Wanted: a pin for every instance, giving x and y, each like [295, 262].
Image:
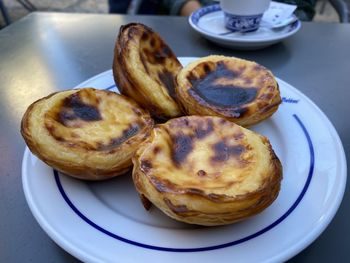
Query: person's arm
[181, 7]
[189, 7]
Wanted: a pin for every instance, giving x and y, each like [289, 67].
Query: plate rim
[43, 222]
[236, 40]
[314, 233]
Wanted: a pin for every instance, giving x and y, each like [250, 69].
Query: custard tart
[145, 68]
[239, 90]
[206, 170]
[86, 133]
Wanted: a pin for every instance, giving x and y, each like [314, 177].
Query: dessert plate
[106, 222]
[209, 22]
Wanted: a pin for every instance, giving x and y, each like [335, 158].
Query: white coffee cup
[243, 15]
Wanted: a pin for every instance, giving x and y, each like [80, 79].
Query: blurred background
[16, 9]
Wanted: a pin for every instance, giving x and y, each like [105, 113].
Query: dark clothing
[305, 8]
[118, 7]
[147, 7]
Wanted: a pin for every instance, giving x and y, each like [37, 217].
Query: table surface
[48, 51]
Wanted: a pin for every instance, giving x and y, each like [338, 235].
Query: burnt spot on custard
[73, 108]
[200, 127]
[60, 138]
[203, 129]
[258, 68]
[144, 63]
[162, 53]
[74, 135]
[137, 111]
[152, 42]
[146, 166]
[157, 150]
[222, 151]
[168, 80]
[153, 48]
[271, 94]
[182, 146]
[114, 142]
[97, 145]
[157, 53]
[53, 132]
[205, 84]
[132, 30]
[201, 173]
[248, 81]
[145, 36]
[51, 129]
[238, 136]
[223, 121]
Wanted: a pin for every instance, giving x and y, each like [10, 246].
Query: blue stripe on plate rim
[199, 249]
[196, 15]
[111, 87]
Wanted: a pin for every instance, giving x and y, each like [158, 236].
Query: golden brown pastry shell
[204, 88]
[145, 68]
[85, 133]
[207, 171]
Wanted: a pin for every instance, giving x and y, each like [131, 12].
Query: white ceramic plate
[105, 221]
[209, 22]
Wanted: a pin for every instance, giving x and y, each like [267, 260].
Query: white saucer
[209, 22]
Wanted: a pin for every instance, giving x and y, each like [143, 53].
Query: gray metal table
[45, 51]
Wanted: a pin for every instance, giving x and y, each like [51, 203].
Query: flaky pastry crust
[145, 68]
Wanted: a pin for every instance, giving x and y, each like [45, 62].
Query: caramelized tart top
[208, 156]
[89, 119]
[241, 90]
